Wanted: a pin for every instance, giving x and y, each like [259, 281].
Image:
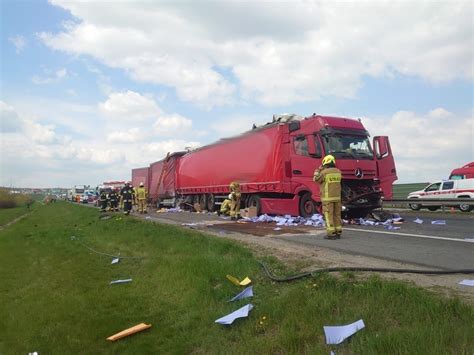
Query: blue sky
[91, 90]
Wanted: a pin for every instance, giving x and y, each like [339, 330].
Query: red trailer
[141, 175]
[274, 165]
[162, 186]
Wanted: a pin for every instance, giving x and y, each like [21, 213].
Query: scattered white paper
[337, 334]
[147, 217]
[248, 292]
[418, 221]
[390, 227]
[467, 282]
[115, 261]
[120, 281]
[440, 222]
[35, 353]
[277, 229]
[240, 313]
[332, 353]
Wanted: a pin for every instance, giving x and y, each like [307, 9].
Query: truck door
[447, 190]
[305, 155]
[386, 171]
[432, 191]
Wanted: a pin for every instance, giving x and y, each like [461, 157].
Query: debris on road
[120, 281]
[248, 292]
[418, 221]
[236, 281]
[467, 283]
[240, 313]
[337, 334]
[115, 261]
[315, 220]
[125, 333]
[170, 210]
[440, 222]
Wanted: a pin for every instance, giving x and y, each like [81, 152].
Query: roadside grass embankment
[56, 297]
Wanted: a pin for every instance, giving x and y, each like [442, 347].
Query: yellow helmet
[328, 159]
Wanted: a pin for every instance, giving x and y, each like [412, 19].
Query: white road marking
[408, 235]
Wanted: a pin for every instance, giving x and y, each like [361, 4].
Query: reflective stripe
[328, 222]
[333, 177]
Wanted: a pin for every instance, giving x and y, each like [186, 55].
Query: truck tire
[203, 202]
[254, 201]
[465, 207]
[211, 203]
[415, 206]
[307, 207]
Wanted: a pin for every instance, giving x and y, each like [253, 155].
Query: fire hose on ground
[360, 269]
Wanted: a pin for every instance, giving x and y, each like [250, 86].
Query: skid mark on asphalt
[409, 235]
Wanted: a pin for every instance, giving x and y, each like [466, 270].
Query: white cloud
[277, 52]
[50, 77]
[426, 146]
[130, 136]
[19, 42]
[171, 124]
[129, 107]
[9, 119]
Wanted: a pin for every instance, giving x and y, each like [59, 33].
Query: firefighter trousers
[332, 217]
[235, 208]
[141, 205]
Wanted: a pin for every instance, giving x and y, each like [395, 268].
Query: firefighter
[329, 179]
[141, 196]
[103, 200]
[235, 200]
[225, 206]
[113, 196]
[128, 196]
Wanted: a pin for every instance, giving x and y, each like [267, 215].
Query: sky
[91, 89]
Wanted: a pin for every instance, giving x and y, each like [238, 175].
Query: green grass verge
[55, 296]
[9, 214]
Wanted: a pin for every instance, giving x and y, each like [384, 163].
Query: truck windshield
[348, 146]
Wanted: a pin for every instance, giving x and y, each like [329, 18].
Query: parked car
[443, 190]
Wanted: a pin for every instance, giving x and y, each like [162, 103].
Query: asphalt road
[438, 246]
[448, 247]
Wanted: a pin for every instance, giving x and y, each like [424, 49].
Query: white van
[444, 189]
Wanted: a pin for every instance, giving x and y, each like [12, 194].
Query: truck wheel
[211, 203]
[415, 206]
[307, 207]
[254, 201]
[465, 208]
[203, 202]
[433, 208]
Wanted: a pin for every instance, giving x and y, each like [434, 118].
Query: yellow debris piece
[236, 281]
[125, 333]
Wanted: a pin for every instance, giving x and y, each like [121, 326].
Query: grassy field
[55, 296]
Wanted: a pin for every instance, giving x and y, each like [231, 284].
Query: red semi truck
[274, 165]
[464, 172]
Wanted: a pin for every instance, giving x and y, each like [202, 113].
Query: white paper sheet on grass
[337, 334]
[120, 281]
[467, 282]
[248, 292]
[240, 313]
[115, 261]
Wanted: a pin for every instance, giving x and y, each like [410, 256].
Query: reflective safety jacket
[330, 183]
[141, 193]
[127, 194]
[113, 196]
[103, 196]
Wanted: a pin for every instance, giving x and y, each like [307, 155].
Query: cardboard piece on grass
[125, 333]
[337, 334]
[248, 292]
[115, 261]
[236, 281]
[240, 313]
[467, 283]
[120, 281]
